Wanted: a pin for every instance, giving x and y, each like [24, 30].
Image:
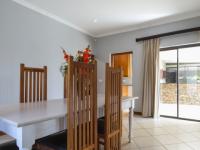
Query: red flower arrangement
[84, 56]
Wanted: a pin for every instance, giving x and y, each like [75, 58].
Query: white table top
[28, 113]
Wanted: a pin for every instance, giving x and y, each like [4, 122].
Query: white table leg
[25, 139]
[130, 122]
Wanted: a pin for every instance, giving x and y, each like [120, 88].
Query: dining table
[27, 122]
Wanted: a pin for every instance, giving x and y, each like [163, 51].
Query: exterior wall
[189, 94]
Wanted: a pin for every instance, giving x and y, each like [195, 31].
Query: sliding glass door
[189, 83]
[168, 83]
[180, 83]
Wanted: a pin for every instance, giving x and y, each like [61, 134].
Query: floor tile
[181, 146]
[146, 142]
[140, 133]
[173, 129]
[190, 128]
[136, 126]
[187, 137]
[168, 139]
[194, 145]
[196, 134]
[153, 148]
[157, 131]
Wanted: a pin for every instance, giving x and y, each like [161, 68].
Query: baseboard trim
[135, 113]
[138, 113]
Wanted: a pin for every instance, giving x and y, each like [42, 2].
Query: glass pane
[189, 83]
[168, 83]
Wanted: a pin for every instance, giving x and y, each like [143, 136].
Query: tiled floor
[158, 134]
[161, 134]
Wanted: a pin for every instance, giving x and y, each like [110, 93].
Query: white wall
[31, 38]
[126, 42]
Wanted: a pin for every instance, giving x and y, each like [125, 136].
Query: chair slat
[75, 113]
[30, 86]
[38, 85]
[21, 82]
[45, 82]
[84, 113]
[88, 106]
[70, 139]
[26, 86]
[41, 86]
[91, 106]
[77, 86]
[34, 86]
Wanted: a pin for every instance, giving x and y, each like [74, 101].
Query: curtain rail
[168, 34]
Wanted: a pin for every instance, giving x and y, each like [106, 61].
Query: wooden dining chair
[81, 106]
[33, 84]
[109, 127]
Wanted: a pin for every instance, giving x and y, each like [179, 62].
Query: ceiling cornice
[50, 15]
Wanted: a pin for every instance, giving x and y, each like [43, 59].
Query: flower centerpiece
[84, 56]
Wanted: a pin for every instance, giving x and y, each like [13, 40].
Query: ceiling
[105, 17]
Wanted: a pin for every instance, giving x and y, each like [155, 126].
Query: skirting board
[135, 113]
[138, 113]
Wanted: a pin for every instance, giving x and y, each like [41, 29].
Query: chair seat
[9, 146]
[56, 141]
[101, 129]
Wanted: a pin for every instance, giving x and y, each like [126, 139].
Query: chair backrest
[113, 108]
[82, 106]
[33, 84]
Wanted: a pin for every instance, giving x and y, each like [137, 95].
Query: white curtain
[151, 78]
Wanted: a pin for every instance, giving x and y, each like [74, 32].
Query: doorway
[124, 60]
[180, 82]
